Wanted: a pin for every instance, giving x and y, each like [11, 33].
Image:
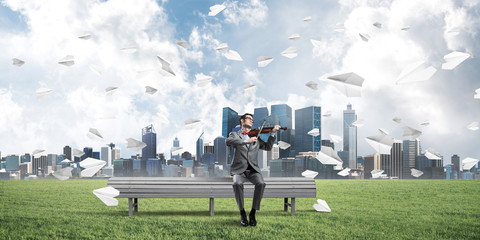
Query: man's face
[248, 121]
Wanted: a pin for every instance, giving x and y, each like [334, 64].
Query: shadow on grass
[199, 213]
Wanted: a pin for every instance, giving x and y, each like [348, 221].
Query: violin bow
[261, 128]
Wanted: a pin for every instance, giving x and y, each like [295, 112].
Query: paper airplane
[411, 133]
[382, 143]
[473, 126]
[130, 47]
[92, 166]
[314, 132]
[309, 174]
[454, 59]
[335, 138]
[328, 156]
[165, 65]
[215, 9]
[233, 55]
[416, 72]
[295, 36]
[358, 123]
[77, 153]
[17, 62]
[43, 92]
[134, 145]
[85, 36]
[377, 24]
[327, 114]
[67, 61]
[339, 27]
[316, 43]
[249, 87]
[313, 85]
[161, 118]
[290, 52]
[150, 90]
[416, 173]
[468, 163]
[397, 119]
[263, 61]
[183, 43]
[107, 195]
[376, 173]
[202, 80]
[37, 152]
[384, 131]
[66, 161]
[96, 69]
[350, 84]
[223, 47]
[365, 37]
[432, 154]
[307, 19]
[345, 172]
[425, 123]
[63, 174]
[477, 94]
[406, 28]
[176, 150]
[191, 123]
[94, 134]
[283, 145]
[110, 90]
[322, 206]
[453, 31]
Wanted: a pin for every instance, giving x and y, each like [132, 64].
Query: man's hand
[276, 128]
[251, 140]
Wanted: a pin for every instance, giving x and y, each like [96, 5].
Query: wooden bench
[177, 187]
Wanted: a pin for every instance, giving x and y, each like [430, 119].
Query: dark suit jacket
[243, 153]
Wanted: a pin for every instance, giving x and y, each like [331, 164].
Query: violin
[256, 131]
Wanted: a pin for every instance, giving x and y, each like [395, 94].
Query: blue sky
[42, 33]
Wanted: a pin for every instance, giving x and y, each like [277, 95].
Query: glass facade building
[230, 119]
[199, 148]
[411, 149]
[284, 114]
[149, 137]
[220, 151]
[350, 137]
[307, 119]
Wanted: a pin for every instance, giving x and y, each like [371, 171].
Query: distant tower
[284, 114]
[199, 147]
[350, 136]
[67, 151]
[457, 165]
[149, 137]
[176, 143]
[307, 119]
[411, 149]
[230, 119]
[220, 151]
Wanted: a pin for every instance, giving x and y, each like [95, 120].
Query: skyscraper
[199, 147]
[176, 143]
[411, 149]
[149, 137]
[67, 150]
[284, 114]
[396, 156]
[230, 119]
[88, 153]
[106, 155]
[307, 119]
[220, 151]
[456, 165]
[350, 137]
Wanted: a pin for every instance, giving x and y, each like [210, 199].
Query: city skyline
[42, 34]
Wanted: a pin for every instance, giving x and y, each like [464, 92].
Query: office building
[284, 114]
[350, 137]
[199, 147]
[307, 119]
[149, 137]
[220, 150]
[411, 149]
[12, 163]
[67, 151]
[106, 155]
[230, 119]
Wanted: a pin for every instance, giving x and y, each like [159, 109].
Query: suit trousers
[256, 179]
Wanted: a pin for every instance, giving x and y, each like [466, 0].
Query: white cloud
[254, 12]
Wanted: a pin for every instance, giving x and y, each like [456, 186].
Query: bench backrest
[177, 187]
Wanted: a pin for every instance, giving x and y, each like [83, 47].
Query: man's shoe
[243, 220]
[253, 221]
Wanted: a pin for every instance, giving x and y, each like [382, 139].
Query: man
[245, 165]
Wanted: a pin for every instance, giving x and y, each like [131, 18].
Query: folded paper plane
[67, 61]
[202, 80]
[416, 72]
[263, 61]
[377, 24]
[411, 133]
[309, 174]
[43, 92]
[295, 36]
[376, 173]
[454, 59]
[432, 154]
[160, 118]
[176, 150]
[191, 123]
[96, 69]
[327, 114]
[416, 173]
[91, 166]
[468, 163]
[322, 206]
[384, 131]
[316, 43]
[425, 123]
[233, 55]
[107, 195]
[63, 173]
[314, 132]
[37, 152]
[249, 87]
[283, 145]
[85, 36]
[477, 94]
[110, 90]
[223, 47]
[339, 27]
[165, 65]
[335, 138]
[215, 9]
[350, 84]
[365, 37]
[17, 62]
[134, 145]
[290, 52]
[183, 43]
[473, 126]
[405, 28]
[77, 153]
[328, 156]
[150, 90]
[397, 119]
[313, 85]
[345, 172]
[130, 47]
[358, 123]
[307, 19]
[382, 143]
[94, 134]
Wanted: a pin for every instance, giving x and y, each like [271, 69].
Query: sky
[41, 33]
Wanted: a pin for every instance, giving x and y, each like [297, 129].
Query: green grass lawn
[361, 209]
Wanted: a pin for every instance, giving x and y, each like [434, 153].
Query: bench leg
[285, 205]
[135, 204]
[130, 212]
[211, 207]
[293, 206]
